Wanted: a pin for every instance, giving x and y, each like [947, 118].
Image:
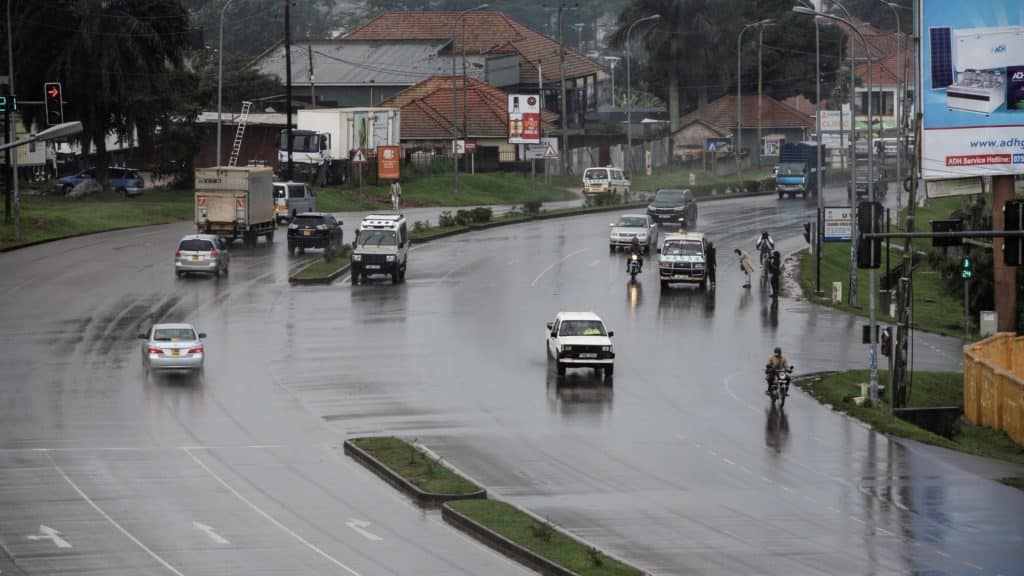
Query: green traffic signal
[965, 268]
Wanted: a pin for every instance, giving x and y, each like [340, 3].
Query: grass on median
[928, 389]
[541, 539]
[415, 466]
[679, 177]
[48, 217]
[322, 267]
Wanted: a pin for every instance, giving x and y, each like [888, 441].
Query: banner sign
[972, 97]
[838, 224]
[388, 162]
[523, 119]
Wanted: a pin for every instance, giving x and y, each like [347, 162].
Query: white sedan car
[629, 226]
[580, 340]
[173, 347]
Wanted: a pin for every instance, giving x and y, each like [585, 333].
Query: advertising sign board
[972, 62]
[838, 224]
[388, 162]
[523, 119]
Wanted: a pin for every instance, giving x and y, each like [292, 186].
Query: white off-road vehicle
[580, 340]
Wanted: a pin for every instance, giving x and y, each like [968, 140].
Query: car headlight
[357, 257]
[678, 208]
[389, 258]
[650, 208]
[642, 236]
[293, 226]
[566, 348]
[606, 348]
[321, 226]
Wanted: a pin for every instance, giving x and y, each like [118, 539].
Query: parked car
[291, 198]
[313, 230]
[173, 347]
[669, 205]
[201, 254]
[125, 181]
[580, 340]
[629, 226]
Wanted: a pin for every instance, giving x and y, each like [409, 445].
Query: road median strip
[321, 270]
[507, 529]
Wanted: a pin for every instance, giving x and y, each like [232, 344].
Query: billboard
[523, 119]
[838, 224]
[972, 74]
[389, 162]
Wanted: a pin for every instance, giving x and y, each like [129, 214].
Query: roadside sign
[550, 152]
[470, 146]
[716, 144]
[547, 149]
[359, 157]
[838, 224]
[388, 162]
[459, 147]
[523, 119]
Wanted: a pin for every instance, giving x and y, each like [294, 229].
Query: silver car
[629, 226]
[201, 254]
[173, 347]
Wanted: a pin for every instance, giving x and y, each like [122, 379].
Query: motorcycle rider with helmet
[634, 248]
[765, 245]
[775, 363]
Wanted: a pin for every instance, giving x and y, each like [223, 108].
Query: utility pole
[1004, 277]
[565, 117]
[288, 82]
[760, 43]
[312, 79]
[13, 156]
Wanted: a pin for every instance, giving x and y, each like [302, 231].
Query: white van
[605, 180]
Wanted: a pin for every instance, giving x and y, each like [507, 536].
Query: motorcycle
[634, 266]
[778, 387]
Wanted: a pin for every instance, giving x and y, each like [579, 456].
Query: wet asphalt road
[678, 465]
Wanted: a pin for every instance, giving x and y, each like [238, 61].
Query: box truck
[235, 203]
[797, 170]
[324, 139]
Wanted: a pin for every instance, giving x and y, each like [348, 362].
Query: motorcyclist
[775, 363]
[765, 245]
[634, 248]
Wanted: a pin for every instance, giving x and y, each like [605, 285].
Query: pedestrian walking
[746, 265]
[709, 253]
[396, 195]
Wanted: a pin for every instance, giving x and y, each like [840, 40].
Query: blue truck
[797, 170]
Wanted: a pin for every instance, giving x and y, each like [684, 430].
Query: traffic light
[869, 220]
[53, 96]
[1013, 219]
[807, 232]
[965, 268]
[886, 342]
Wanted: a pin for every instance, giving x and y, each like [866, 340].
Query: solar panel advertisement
[972, 97]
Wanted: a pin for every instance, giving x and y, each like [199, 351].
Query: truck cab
[381, 247]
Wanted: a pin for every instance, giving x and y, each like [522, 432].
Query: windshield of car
[173, 334]
[599, 174]
[581, 328]
[790, 168]
[195, 245]
[377, 238]
[632, 222]
[682, 249]
[669, 196]
[310, 220]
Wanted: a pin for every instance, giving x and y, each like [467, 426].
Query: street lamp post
[455, 133]
[629, 99]
[872, 292]
[896, 110]
[817, 153]
[739, 98]
[220, 74]
[612, 61]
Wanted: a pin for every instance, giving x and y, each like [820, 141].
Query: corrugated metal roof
[255, 118]
[360, 62]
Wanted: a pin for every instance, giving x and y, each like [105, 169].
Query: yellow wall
[994, 384]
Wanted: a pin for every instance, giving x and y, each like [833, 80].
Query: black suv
[669, 205]
[313, 230]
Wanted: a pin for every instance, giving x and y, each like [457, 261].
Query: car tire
[560, 368]
[394, 278]
[291, 249]
[609, 370]
[401, 274]
[611, 248]
[664, 283]
[179, 273]
[123, 193]
[270, 237]
[782, 195]
[67, 189]
[302, 250]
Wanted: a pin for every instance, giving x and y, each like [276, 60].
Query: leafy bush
[331, 253]
[446, 220]
[421, 226]
[481, 215]
[531, 208]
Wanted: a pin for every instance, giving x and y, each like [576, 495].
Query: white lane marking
[832, 509]
[884, 532]
[552, 265]
[270, 518]
[745, 469]
[361, 526]
[786, 488]
[210, 532]
[858, 520]
[973, 565]
[713, 453]
[47, 533]
[595, 263]
[809, 499]
[941, 553]
[113, 522]
[729, 462]
[766, 479]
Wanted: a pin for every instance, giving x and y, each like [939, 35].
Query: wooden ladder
[236, 147]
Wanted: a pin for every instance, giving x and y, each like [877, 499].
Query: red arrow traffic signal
[52, 92]
[54, 103]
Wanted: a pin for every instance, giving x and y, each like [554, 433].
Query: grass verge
[437, 190]
[541, 539]
[932, 301]
[412, 464]
[679, 177]
[51, 217]
[321, 268]
[928, 389]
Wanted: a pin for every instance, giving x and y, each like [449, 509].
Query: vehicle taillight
[177, 252]
[198, 350]
[213, 253]
[156, 351]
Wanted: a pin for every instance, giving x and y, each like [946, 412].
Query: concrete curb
[421, 497]
[293, 279]
[503, 545]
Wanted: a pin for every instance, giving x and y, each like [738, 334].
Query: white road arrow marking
[360, 527]
[47, 533]
[209, 532]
